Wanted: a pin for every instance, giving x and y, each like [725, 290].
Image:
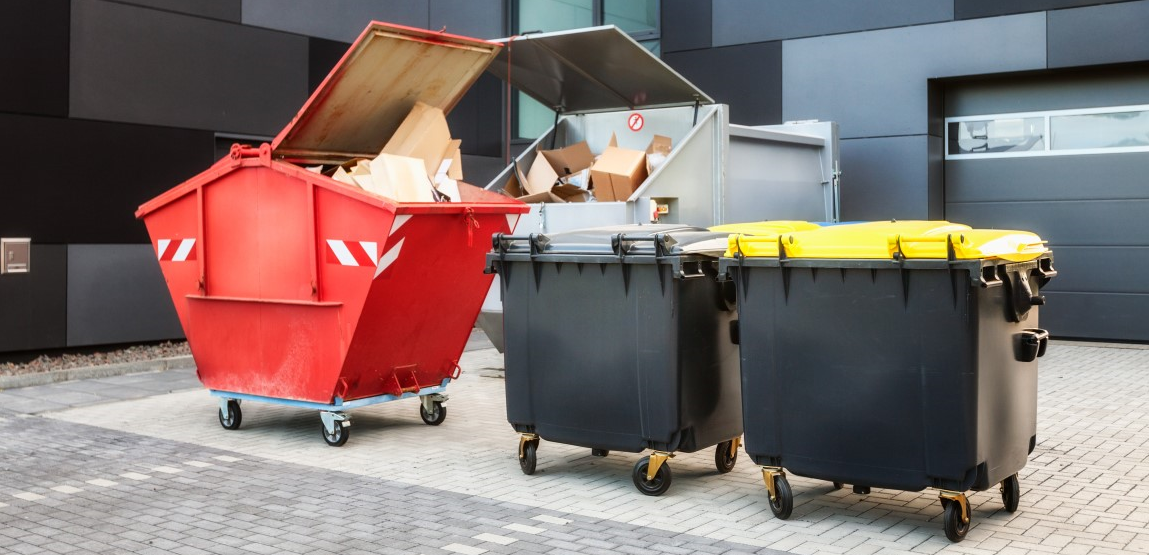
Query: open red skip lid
[370, 91]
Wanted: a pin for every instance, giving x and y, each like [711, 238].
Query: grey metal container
[595, 79]
[618, 339]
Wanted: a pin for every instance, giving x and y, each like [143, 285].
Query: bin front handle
[660, 240]
[894, 244]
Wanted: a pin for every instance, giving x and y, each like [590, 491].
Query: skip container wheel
[783, 502]
[1011, 493]
[955, 526]
[724, 460]
[655, 487]
[529, 457]
[234, 416]
[338, 436]
[435, 416]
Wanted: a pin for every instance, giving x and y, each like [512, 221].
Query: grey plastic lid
[598, 69]
[636, 240]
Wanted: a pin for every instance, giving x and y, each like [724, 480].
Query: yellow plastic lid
[911, 239]
[759, 237]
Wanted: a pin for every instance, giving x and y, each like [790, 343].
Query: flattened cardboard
[455, 155]
[617, 173]
[400, 178]
[423, 134]
[558, 193]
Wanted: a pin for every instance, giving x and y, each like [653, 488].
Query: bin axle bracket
[223, 408]
[657, 459]
[524, 439]
[734, 445]
[332, 419]
[430, 400]
[960, 498]
[768, 475]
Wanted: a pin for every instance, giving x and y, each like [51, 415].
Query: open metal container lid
[599, 69]
[361, 103]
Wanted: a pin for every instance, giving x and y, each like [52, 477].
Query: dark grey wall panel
[81, 181]
[1096, 316]
[1084, 177]
[322, 56]
[743, 21]
[884, 178]
[875, 84]
[342, 21]
[935, 178]
[116, 294]
[34, 57]
[1099, 35]
[476, 119]
[226, 10]
[686, 25]
[471, 18]
[140, 65]
[1064, 89]
[967, 9]
[1101, 269]
[1073, 223]
[34, 304]
[747, 77]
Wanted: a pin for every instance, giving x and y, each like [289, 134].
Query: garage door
[1067, 156]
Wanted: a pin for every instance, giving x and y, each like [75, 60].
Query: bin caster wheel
[529, 456]
[955, 525]
[723, 459]
[658, 485]
[437, 415]
[599, 452]
[338, 437]
[234, 416]
[838, 485]
[1011, 493]
[783, 503]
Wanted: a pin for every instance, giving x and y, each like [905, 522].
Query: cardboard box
[557, 193]
[617, 173]
[424, 135]
[657, 152]
[550, 165]
[399, 178]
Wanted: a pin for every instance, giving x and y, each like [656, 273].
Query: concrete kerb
[102, 371]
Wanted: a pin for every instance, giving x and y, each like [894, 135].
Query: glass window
[637, 17]
[554, 15]
[1112, 130]
[997, 135]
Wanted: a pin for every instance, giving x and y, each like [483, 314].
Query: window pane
[632, 16]
[534, 118]
[554, 15]
[654, 46]
[1000, 135]
[1115, 130]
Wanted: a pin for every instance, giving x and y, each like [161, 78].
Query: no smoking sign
[635, 121]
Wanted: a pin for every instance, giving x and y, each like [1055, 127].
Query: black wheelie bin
[617, 338]
[891, 354]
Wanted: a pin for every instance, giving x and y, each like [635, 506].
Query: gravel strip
[133, 353]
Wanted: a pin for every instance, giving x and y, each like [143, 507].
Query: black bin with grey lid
[618, 339]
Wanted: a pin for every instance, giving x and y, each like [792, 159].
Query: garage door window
[1060, 132]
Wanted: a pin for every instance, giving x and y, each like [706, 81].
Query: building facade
[1027, 114]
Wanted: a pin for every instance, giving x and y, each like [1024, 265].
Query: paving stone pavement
[399, 486]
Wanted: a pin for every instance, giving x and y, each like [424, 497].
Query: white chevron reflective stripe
[389, 258]
[352, 253]
[512, 221]
[399, 221]
[180, 253]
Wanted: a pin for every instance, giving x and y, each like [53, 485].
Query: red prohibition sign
[635, 121]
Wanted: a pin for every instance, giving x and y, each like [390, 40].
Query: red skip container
[296, 289]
